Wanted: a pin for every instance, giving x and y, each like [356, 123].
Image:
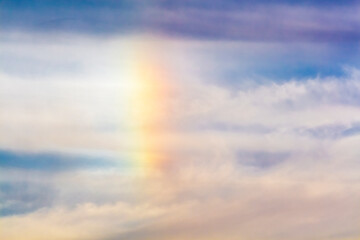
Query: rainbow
[145, 92]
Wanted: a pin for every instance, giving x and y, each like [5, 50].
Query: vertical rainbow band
[145, 93]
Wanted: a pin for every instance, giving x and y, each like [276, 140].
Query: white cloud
[205, 188]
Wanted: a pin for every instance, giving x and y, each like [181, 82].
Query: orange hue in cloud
[149, 111]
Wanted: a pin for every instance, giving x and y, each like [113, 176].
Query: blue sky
[50, 161]
[172, 120]
[233, 20]
[285, 23]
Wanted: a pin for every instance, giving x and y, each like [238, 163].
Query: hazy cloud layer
[254, 160]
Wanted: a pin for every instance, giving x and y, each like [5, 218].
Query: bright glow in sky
[173, 120]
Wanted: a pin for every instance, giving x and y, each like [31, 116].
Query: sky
[179, 120]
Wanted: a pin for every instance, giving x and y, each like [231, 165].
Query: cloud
[201, 211]
[255, 160]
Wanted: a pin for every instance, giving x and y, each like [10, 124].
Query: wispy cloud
[279, 156]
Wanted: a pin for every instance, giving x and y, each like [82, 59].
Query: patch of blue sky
[332, 131]
[46, 4]
[279, 62]
[294, 21]
[352, 131]
[211, 4]
[55, 162]
[77, 16]
[127, 3]
[261, 160]
[24, 197]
